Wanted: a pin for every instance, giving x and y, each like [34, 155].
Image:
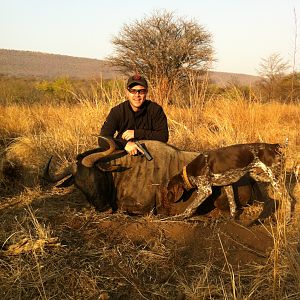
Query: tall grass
[32, 133]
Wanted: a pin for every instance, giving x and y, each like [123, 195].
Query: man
[136, 118]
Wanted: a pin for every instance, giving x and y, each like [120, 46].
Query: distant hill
[223, 78]
[43, 65]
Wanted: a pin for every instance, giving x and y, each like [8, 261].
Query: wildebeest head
[91, 174]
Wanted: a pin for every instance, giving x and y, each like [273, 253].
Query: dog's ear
[175, 189]
[177, 193]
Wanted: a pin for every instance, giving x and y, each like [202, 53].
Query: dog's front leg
[230, 196]
[204, 189]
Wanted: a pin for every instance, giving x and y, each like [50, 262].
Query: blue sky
[243, 31]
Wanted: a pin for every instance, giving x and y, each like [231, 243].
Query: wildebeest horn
[70, 170]
[89, 160]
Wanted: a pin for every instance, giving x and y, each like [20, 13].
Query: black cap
[137, 80]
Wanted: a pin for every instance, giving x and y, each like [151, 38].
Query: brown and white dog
[225, 166]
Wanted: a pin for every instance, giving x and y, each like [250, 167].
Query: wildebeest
[224, 166]
[113, 179]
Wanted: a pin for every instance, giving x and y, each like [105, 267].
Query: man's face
[136, 96]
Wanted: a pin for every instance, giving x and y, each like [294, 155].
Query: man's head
[137, 88]
[137, 80]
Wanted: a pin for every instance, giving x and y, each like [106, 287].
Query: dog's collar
[186, 179]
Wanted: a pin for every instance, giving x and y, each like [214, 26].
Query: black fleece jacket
[148, 123]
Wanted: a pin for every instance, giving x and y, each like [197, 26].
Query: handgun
[146, 152]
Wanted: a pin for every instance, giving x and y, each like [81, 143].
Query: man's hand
[128, 135]
[132, 148]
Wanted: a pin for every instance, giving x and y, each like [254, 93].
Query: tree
[272, 70]
[290, 88]
[162, 48]
[273, 67]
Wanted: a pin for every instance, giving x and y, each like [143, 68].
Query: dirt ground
[116, 256]
[199, 241]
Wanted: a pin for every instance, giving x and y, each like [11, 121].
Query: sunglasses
[134, 91]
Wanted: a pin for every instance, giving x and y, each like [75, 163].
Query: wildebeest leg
[230, 196]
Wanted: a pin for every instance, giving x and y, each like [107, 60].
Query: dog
[224, 166]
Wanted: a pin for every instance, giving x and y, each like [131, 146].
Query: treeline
[198, 91]
[61, 90]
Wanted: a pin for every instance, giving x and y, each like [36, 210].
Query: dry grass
[66, 250]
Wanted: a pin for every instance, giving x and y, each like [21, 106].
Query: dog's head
[175, 188]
